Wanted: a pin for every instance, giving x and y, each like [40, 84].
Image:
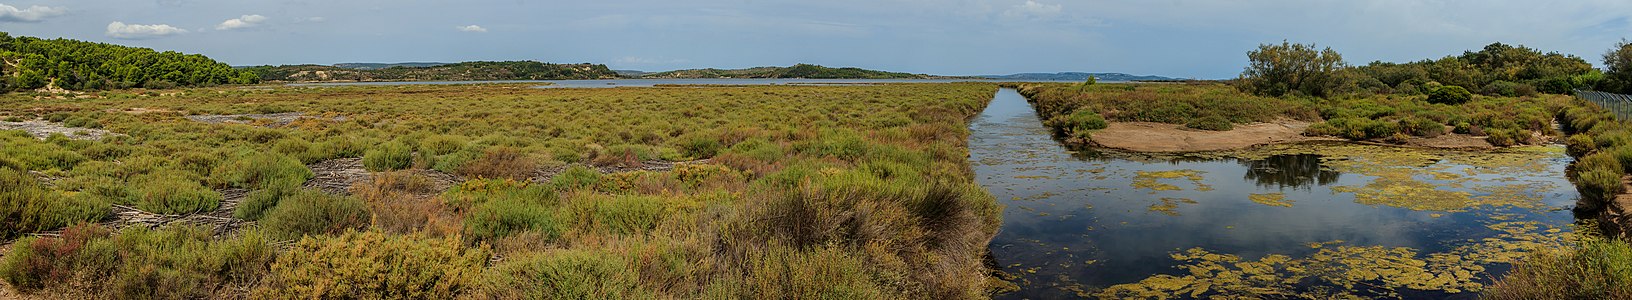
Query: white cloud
[1033, 10]
[120, 30]
[471, 28]
[245, 21]
[35, 13]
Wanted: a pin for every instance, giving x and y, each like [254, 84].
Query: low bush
[566, 274]
[1211, 122]
[388, 157]
[310, 212]
[500, 162]
[628, 214]
[373, 265]
[1450, 94]
[1084, 120]
[260, 170]
[505, 216]
[176, 262]
[172, 194]
[1595, 269]
[441, 144]
[1598, 176]
[257, 202]
[26, 206]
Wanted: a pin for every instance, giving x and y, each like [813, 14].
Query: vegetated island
[796, 71]
[464, 71]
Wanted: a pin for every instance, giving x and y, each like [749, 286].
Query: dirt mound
[270, 120]
[42, 129]
[1160, 137]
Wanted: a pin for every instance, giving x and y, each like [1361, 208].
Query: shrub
[566, 274]
[176, 262]
[26, 207]
[1579, 144]
[500, 162]
[629, 214]
[1595, 269]
[441, 144]
[1450, 94]
[373, 265]
[1085, 120]
[1210, 122]
[172, 194]
[309, 212]
[1422, 127]
[389, 157]
[1598, 176]
[260, 170]
[508, 215]
[257, 202]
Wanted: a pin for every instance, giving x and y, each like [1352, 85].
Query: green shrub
[1422, 127]
[310, 212]
[629, 214]
[700, 146]
[576, 177]
[373, 265]
[441, 144]
[566, 274]
[26, 206]
[1598, 176]
[1450, 94]
[1595, 269]
[1085, 120]
[175, 262]
[389, 157]
[502, 217]
[260, 170]
[1210, 122]
[1579, 144]
[257, 202]
[172, 194]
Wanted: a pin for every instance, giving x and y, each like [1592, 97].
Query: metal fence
[1618, 104]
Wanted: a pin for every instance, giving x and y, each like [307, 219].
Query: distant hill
[464, 71]
[29, 63]
[377, 66]
[795, 71]
[1078, 76]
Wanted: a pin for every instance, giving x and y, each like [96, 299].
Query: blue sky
[1179, 38]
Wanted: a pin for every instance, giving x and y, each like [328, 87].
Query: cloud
[120, 30]
[242, 22]
[31, 14]
[471, 28]
[1033, 10]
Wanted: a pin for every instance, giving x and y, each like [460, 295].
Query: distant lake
[610, 83]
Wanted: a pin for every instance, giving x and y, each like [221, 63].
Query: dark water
[1076, 222]
[611, 83]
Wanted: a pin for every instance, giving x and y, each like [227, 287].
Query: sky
[1204, 39]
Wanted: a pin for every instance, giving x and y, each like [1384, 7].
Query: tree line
[28, 63]
[464, 71]
[1497, 69]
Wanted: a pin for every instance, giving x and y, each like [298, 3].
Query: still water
[1326, 220]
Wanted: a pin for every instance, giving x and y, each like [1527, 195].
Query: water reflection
[1289, 171]
[1079, 221]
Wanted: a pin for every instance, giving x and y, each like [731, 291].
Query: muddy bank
[269, 120]
[1614, 217]
[42, 129]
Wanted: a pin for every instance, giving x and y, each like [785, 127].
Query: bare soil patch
[1160, 137]
[269, 120]
[42, 129]
[338, 176]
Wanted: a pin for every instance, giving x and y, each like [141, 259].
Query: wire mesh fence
[1618, 104]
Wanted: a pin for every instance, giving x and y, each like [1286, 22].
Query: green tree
[1287, 68]
[1618, 62]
